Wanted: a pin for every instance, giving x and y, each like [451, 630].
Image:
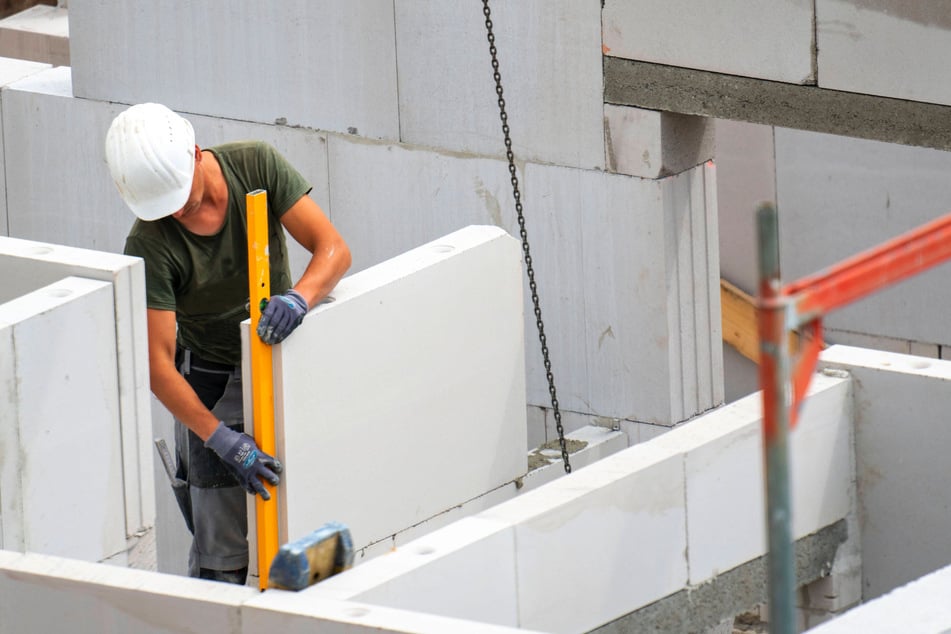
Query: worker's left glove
[248, 463]
[281, 316]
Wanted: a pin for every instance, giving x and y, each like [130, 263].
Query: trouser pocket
[219, 391]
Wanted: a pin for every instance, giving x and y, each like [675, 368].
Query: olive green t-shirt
[204, 279]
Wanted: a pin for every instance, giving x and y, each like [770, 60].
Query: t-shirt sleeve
[159, 276]
[285, 185]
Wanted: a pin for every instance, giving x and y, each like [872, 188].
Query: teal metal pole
[776, 387]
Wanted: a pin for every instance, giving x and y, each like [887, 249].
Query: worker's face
[197, 191]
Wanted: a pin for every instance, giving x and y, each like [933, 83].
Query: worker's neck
[208, 217]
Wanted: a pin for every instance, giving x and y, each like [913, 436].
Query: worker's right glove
[242, 456]
[281, 316]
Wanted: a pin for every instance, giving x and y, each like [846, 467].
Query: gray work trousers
[215, 505]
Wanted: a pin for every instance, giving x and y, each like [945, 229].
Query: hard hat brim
[160, 206]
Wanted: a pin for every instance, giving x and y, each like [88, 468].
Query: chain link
[524, 234]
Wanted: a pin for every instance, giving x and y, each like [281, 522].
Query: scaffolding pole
[785, 380]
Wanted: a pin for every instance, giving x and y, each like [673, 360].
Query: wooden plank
[738, 313]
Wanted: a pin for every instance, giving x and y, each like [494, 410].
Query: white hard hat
[151, 154]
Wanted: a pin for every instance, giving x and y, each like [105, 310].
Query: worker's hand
[248, 463]
[281, 316]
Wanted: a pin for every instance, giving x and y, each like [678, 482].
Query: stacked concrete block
[59, 139]
[754, 38]
[388, 199]
[12, 70]
[61, 471]
[626, 271]
[65, 141]
[325, 66]
[840, 196]
[27, 265]
[380, 390]
[694, 495]
[40, 34]
[549, 56]
[47, 594]
[900, 446]
[892, 49]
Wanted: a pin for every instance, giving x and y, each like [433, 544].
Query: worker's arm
[238, 451]
[330, 255]
[167, 384]
[330, 259]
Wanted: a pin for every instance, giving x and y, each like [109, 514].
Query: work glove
[281, 316]
[242, 456]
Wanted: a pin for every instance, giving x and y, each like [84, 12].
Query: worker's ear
[197, 154]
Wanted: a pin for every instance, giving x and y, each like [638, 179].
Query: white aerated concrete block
[466, 570]
[56, 136]
[719, 37]
[49, 594]
[322, 65]
[596, 525]
[61, 484]
[12, 70]
[301, 613]
[746, 176]
[921, 607]
[901, 440]
[411, 383]
[39, 33]
[652, 144]
[549, 54]
[839, 196]
[26, 266]
[629, 289]
[892, 49]
[725, 479]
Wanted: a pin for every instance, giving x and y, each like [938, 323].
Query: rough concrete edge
[698, 608]
[804, 107]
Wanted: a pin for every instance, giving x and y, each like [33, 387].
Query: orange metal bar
[804, 367]
[262, 376]
[867, 272]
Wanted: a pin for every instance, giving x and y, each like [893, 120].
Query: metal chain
[521, 226]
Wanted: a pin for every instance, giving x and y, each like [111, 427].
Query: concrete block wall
[694, 494]
[28, 265]
[754, 38]
[839, 196]
[40, 593]
[360, 429]
[403, 71]
[891, 49]
[387, 198]
[900, 440]
[40, 34]
[12, 70]
[331, 67]
[61, 481]
[836, 197]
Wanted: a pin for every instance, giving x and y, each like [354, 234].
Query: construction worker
[191, 231]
